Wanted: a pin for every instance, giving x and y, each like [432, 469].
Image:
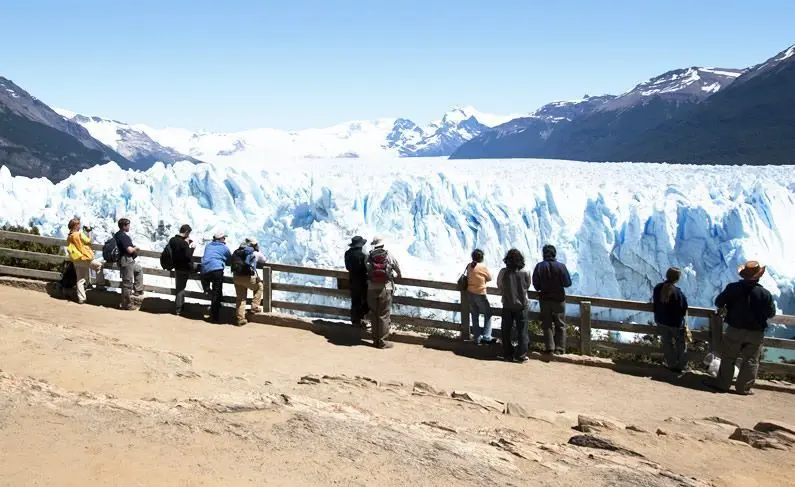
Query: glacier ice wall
[617, 226]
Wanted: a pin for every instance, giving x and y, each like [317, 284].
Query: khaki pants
[82, 271]
[242, 285]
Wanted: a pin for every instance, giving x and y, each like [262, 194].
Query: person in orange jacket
[82, 257]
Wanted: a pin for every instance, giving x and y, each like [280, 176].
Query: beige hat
[219, 235]
[377, 242]
[751, 270]
[251, 241]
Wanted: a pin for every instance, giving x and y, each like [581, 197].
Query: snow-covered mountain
[387, 136]
[617, 226]
[132, 143]
[687, 85]
[593, 128]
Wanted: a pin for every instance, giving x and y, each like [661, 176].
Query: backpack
[379, 270]
[110, 251]
[68, 275]
[167, 258]
[238, 263]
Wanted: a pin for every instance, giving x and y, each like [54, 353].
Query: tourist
[514, 283]
[182, 248]
[478, 276]
[670, 309]
[382, 269]
[216, 256]
[748, 306]
[82, 257]
[131, 271]
[244, 262]
[356, 264]
[550, 279]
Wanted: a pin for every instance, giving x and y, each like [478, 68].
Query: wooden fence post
[465, 316]
[715, 332]
[585, 328]
[267, 294]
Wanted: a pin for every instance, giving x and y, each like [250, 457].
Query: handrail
[585, 320]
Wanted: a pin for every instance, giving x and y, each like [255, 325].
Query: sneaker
[504, 358]
[83, 301]
[548, 352]
[383, 345]
[241, 323]
[559, 352]
[256, 310]
[521, 359]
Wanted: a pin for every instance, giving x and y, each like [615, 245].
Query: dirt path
[130, 398]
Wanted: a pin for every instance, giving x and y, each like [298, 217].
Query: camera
[88, 229]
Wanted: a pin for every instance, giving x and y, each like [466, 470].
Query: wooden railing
[456, 309]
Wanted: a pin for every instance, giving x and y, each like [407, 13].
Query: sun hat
[751, 270]
[357, 241]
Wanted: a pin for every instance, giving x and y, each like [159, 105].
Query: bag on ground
[68, 276]
[713, 365]
[167, 259]
[110, 251]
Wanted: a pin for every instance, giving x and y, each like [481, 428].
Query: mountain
[750, 122]
[131, 143]
[35, 141]
[593, 127]
[397, 137]
[529, 133]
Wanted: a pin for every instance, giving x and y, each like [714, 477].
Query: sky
[230, 66]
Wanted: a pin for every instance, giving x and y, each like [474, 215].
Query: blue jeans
[674, 346]
[479, 305]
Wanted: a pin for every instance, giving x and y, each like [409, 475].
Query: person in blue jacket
[216, 255]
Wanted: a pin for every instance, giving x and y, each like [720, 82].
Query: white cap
[377, 242]
[219, 235]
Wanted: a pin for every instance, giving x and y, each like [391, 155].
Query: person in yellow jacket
[82, 257]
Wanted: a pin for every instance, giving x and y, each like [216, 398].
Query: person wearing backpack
[82, 257]
[132, 282]
[514, 283]
[382, 269]
[670, 309]
[356, 264]
[478, 277]
[748, 306]
[180, 259]
[550, 279]
[216, 256]
[244, 263]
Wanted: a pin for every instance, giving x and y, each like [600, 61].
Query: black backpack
[167, 258]
[110, 251]
[68, 275]
[238, 263]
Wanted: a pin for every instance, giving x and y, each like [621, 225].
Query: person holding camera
[182, 248]
[82, 257]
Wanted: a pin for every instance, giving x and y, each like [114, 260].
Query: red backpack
[379, 269]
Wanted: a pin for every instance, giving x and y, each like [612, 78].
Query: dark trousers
[743, 344]
[213, 282]
[181, 282]
[552, 313]
[380, 303]
[518, 317]
[359, 308]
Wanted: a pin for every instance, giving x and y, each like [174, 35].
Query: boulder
[588, 441]
[427, 389]
[757, 439]
[598, 422]
[770, 426]
[482, 401]
[637, 429]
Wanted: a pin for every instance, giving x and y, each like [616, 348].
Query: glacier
[617, 226]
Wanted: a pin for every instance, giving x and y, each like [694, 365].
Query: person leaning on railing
[514, 284]
[478, 277]
[82, 257]
[670, 309]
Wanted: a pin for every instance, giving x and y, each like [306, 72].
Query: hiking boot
[256, 310]
[560, 352]
[383, 345]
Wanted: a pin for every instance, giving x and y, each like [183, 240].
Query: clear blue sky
[309, 63]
